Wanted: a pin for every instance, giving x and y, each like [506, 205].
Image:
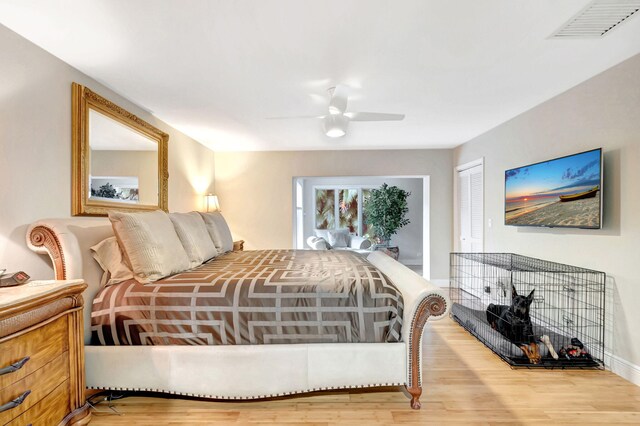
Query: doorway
[470, 205]
[413, 239]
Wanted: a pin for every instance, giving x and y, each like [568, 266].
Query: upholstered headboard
[68, 242]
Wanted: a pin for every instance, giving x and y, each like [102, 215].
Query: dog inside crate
[529, 313]
[514, 323]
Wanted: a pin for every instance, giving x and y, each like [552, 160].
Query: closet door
[470, 206]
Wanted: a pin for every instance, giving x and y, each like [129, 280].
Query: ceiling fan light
[335, 125]
[336, 133]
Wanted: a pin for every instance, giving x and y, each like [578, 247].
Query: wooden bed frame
[238, 372]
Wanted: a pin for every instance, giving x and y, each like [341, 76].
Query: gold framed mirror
[119, 160]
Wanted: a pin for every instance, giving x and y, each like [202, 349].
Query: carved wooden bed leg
[431, 305]
[415, 397]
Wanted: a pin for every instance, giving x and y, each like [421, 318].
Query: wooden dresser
[42, 354]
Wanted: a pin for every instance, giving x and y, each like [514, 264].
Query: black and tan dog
[514, 323]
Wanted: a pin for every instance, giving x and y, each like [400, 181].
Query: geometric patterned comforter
[255, 297]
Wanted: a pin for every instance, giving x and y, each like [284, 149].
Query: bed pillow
[219, 231]
[194, 236]
[322, 233]
[318, 243]
[150, 244]
[339, 237]
[108, 254]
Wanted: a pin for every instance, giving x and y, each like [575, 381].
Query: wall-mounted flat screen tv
[564, 192]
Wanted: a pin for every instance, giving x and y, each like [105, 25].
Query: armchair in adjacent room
[337, 239]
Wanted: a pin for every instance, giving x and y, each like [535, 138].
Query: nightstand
[238, 245]
[42, 354]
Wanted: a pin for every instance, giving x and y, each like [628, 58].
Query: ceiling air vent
[598, 18]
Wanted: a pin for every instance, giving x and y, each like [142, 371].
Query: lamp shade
[211, 203]
[335, 125]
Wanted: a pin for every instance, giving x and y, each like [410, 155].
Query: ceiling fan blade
[339, 97]
[295, 117]
[373, 116]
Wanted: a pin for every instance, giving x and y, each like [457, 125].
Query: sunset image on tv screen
[564, 192]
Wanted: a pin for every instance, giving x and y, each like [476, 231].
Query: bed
[278, 354]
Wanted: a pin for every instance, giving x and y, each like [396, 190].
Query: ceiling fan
[338, 118]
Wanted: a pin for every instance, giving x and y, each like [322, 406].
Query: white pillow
[322, 233]
[194, 237]
[339, 237]
[318, 243]
[108, 254]
[219, 231]
[150, 244]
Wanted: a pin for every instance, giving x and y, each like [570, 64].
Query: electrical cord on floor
[106, 396]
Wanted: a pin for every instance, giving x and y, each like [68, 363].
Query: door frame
[456, 208]
[426, 211]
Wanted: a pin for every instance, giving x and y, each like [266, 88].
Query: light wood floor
[464, 383]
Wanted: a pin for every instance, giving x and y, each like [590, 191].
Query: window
[348, 210]
[325, 209]
[365, 225]
[341, 207]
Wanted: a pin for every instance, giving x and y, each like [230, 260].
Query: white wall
[35, 148]
[601, 112]
[255, 190]
[408, 238]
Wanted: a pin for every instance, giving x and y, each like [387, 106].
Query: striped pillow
[194, 237]
[219, 231]
[150, 244]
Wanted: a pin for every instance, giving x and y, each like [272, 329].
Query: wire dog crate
[565, 319]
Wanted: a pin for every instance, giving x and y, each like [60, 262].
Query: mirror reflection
[123, 164]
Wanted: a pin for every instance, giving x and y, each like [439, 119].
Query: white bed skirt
[245, 372]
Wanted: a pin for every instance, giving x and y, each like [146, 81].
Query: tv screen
[564, 192]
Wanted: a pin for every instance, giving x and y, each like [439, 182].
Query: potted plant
[385, 209]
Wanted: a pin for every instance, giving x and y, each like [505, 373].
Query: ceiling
[215, 69]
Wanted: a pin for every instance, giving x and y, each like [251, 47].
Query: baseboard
[622, 368]
[440, 282]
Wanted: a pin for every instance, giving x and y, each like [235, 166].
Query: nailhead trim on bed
[420, 310]
[273, 395]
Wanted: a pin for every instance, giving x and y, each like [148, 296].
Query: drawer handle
[13, 404]
[14, 367]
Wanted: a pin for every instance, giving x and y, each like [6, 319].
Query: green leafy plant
[385, 209]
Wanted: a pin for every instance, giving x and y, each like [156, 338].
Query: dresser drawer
[48, 411]
[40, 383]
[41, 345]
